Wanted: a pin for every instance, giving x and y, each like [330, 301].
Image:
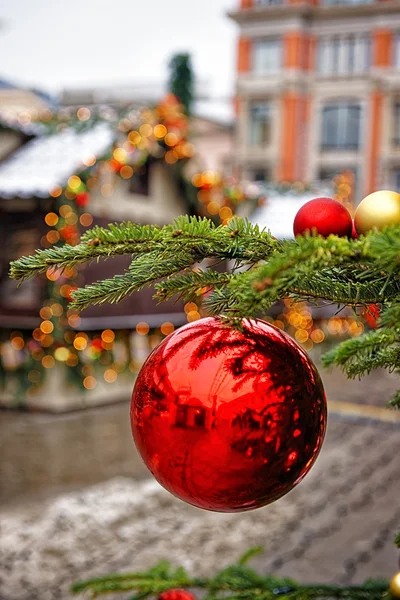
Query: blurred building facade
[318, 91]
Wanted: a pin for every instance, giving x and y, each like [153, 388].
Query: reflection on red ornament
[354, 233]
[228, 420]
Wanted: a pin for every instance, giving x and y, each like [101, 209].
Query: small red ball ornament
[324, 215]
[228, 420]
[176, 595]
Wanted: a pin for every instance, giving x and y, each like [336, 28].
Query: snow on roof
[215, 109]
[278, 213]
[48, 161]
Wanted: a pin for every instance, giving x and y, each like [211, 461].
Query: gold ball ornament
[394, 586]
[377, 210]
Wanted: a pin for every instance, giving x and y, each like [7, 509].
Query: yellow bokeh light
[356, 329]
[65, 210]
[65, 290]
[134, 137]
[170, 157]
[47, 341]
[86, 220]
[213, 208]
[120, 155]
[190, 306]
[46, 327]
[57, 309]
[142, 328]
[74, 182]
[167, 328]
[89, 160]
[51, 219]
[193, 315]
[71, 219]
[110, 375]
[80, 342]
[17, 343]
[108, 336]
[89, 382]
[308, 345]
[145, 130]
[301, 335]
[74, 321]
[70, 195]
[46, 313]
[171, 139]
[83, 113]
[34, 376]
[209, 177]
[55, 192]
[317, 336]
[62, 354]
[188, 150]
[37, 334]
[197, 180]
[225, 212]
[126, 172]
[48, 362]
[72, 360]
[52, 236]
[280, 324]
[160, 131]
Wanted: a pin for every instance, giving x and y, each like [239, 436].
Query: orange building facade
[318, 91]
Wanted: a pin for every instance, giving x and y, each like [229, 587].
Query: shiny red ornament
[324, 215]
[354, 233]
[176, 595]
[228, 420]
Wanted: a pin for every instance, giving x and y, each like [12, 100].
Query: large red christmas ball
[228, 420]
[325, 216]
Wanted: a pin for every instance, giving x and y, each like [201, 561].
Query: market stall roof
[48, 161]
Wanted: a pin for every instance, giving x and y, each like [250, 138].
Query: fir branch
[394, 402]
[189, 285]
[236, 582]
[144, 271]
[365, 346]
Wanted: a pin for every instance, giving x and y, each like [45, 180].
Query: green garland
[236, 582]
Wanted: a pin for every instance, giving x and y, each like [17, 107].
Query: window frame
[256, 45]
[341, 126]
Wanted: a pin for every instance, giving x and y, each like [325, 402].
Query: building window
[397, 179]
[397, 51]
[140, 181]
[341, 127]
[344, 55]
[260, 124]
[396, 124]
[261, 175]
[267, 56]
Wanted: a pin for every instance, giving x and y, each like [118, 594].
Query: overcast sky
[70, 43]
